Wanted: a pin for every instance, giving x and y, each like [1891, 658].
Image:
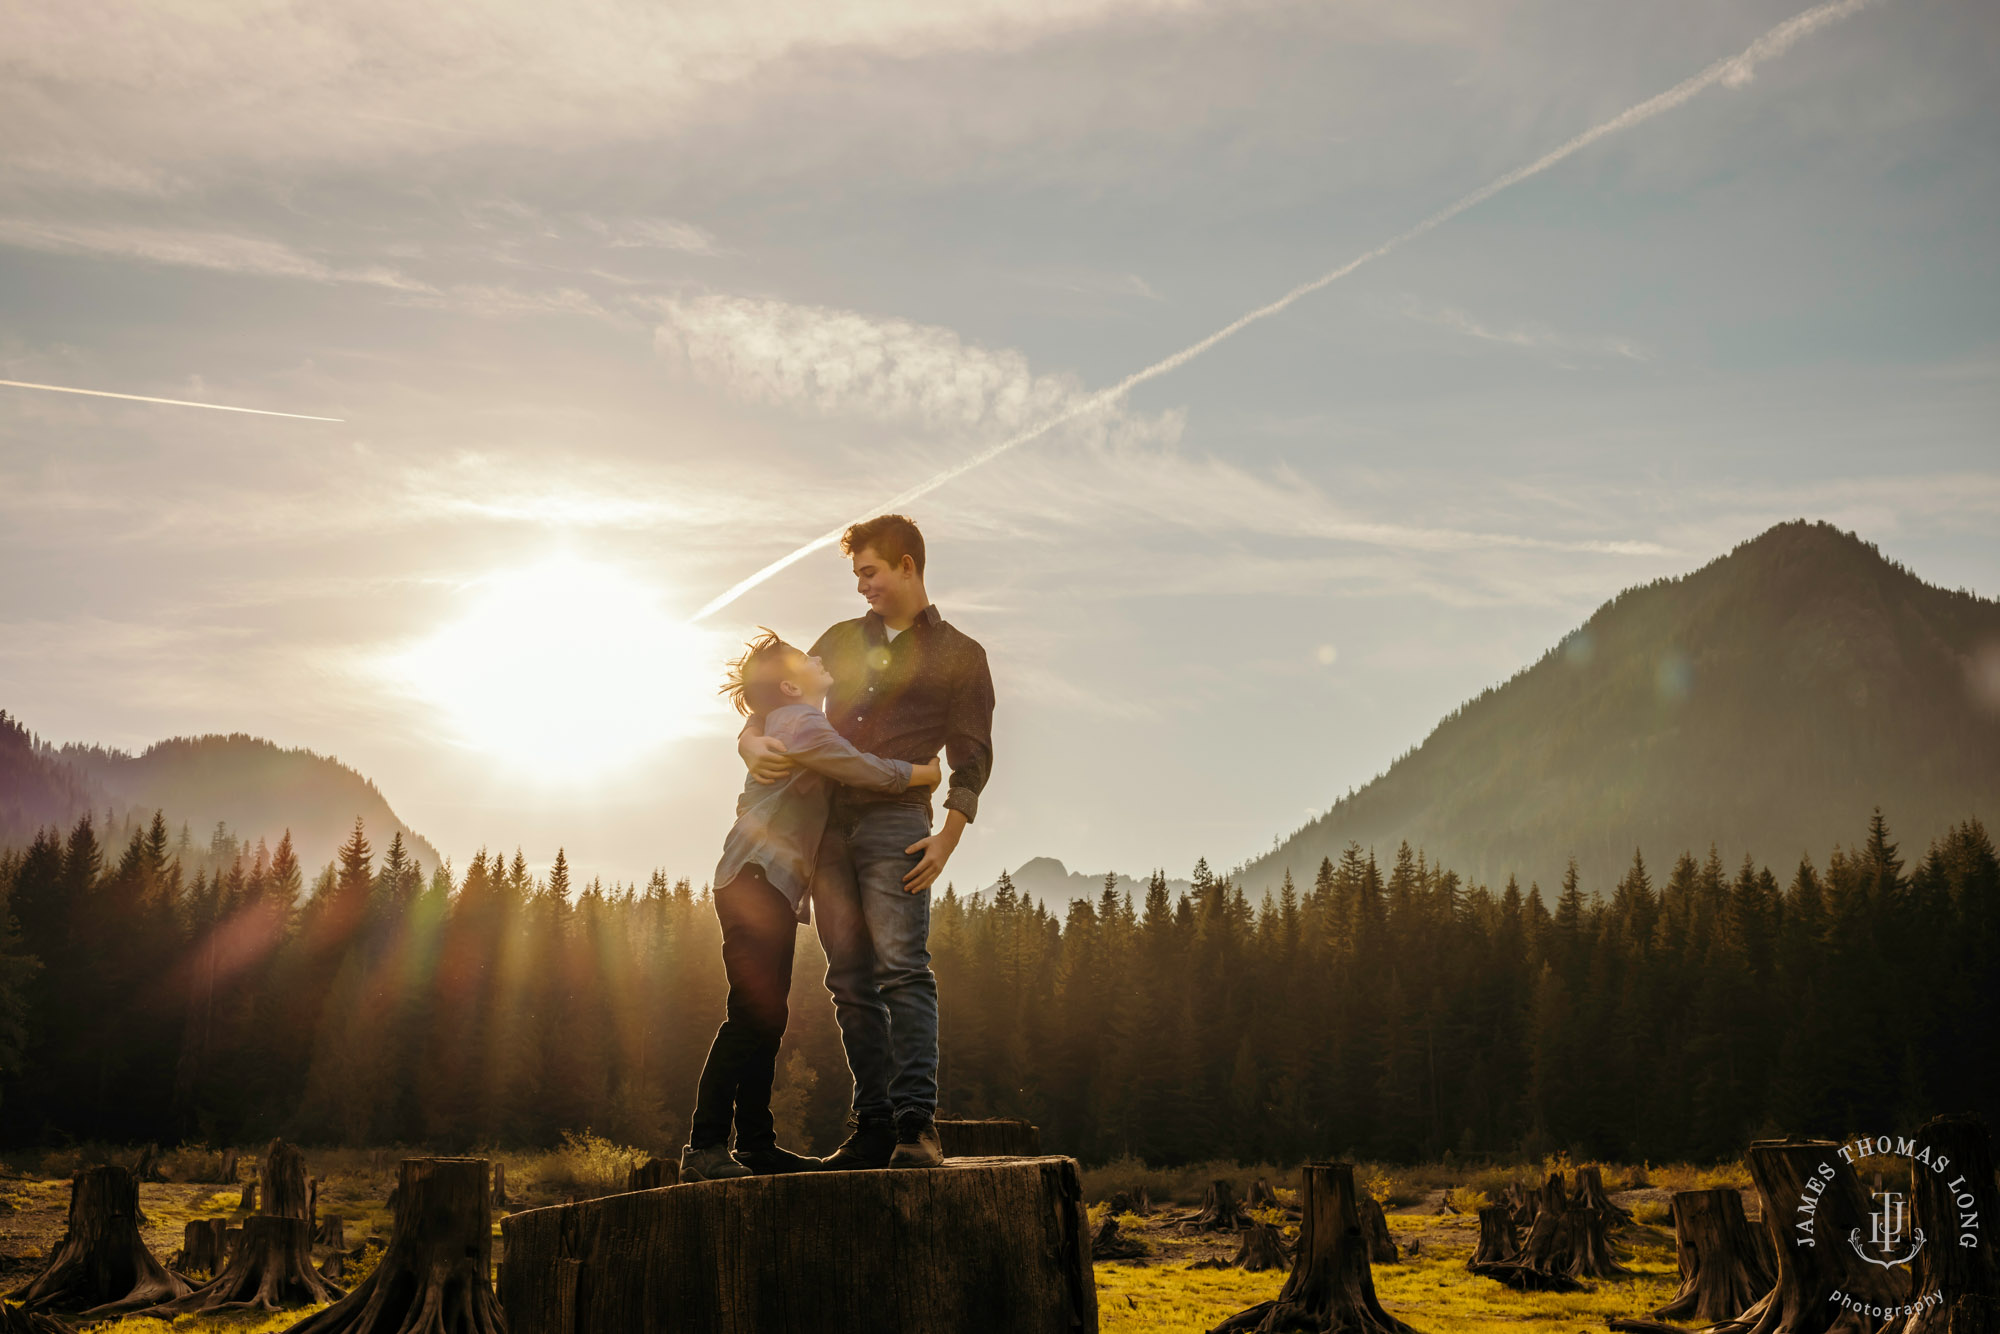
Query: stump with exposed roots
[1261, 1195]
[1220, 1210]
[16, 1320]
[1499, 1240]
[435, 1276]
[270, 1266]
[1809, 1275]
[1381, 1244]
[653, 1174]
[1568, 1238]
[333, 1236]
[977, 1246]
[1259, 1247]
[1330, 1287]
[102, 1265]
[995, 1137]
[1723, 1266]
[1949, 1206]
[1138, 1202]
[1108, 1243]
[1590, 1194]
[1524, 1278]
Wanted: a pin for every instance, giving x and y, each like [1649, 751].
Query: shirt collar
[929, 618]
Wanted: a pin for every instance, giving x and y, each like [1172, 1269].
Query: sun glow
[566, 669]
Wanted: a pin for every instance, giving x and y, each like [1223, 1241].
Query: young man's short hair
[892, 537]
[754, 675]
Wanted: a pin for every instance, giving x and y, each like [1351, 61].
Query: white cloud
[1531, 337]
[221, 251]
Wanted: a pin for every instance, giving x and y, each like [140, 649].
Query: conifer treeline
[1391, 1012]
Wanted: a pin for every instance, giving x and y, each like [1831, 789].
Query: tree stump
[433, 1278]
[101, 1266]
[229, 1166]
[1813, 1264]
[1570, 1239]
[202, 1247]
[1940, 1205]
[1261, 1195]
[1330, 1287]
[1259, 1247]
[333, 1235]
[1723, 1270]
[500, 1182]
[271, 1266]
[18, 1320]
[1220, 1211]
[653, 1174]
[1499, 1240]
[148, 1166]
[1525, 1204]
[1000, 1137]
[978, 1246]
[1381, 1243]
[1138, 1202]
[1524, 1278]
[1108, 1243]
[247, 1201]
[1590, 1194]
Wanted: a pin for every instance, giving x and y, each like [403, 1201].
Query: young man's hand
[936, 852]
[765, 757]
[927, 774]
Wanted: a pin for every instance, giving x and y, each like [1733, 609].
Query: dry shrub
[1467, 1200]
[1652, 1211]
[587, 1165]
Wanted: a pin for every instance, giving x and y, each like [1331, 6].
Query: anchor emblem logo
[1886, 1230]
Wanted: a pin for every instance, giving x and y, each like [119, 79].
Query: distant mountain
[255, 788]
[1767, 702]
[1052, 883]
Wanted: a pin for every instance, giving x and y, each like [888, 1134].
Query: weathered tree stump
[19, 1320]
[500, 1181]
[1261, 1195]
[1590, 1194]
[1108, 1243]
[1570, 1239]
[1524, 1202]
[1948, 1207]
[433, 1278]
[1259, 1247]
[1138, 1202]
[333, 1235]
[1330, 1287]
[1220, 1210]
[229, 1166]
[1809, 1274]
[148, 1166]
[1524, 1278]
[101, 1266]
[979, 1246]
[270, 1268]
[202, 1247]
[1381, 1243]
[653, 1174]
[247, 1201]
[999, 1137]
[1499, 1240]
[1723, 1269]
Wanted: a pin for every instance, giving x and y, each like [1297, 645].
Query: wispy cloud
[1531, 337]
[226, 252]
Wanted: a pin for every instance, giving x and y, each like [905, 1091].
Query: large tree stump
[979, 1246]
[433, 1279]
[653, 1174]
[270, 1268]
[1499, 1240]
[1330, 1287]
[1568, 1238]
[1590, 1194]
[1381, 1243]
[1259, 1247]
[1138, 1202]
[1814, 1260]
[1723, 1269]
[1220, 1210]
[102, 1264]
[999, 1137]
[1949, 1207]
[202, 1247]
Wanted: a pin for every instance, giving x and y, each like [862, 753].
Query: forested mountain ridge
[255, 788]
[1768, 701]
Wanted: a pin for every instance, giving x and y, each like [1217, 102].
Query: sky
[617, 303]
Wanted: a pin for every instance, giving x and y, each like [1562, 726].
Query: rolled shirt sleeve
[968, 742]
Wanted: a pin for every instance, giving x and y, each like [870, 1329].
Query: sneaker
[917, 1142]
[867, 1148]
[711, 1164]
[773, 1160]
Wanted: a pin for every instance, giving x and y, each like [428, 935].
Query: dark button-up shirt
[908, 698]
[778, 825]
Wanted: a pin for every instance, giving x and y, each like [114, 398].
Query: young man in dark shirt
[907, 684]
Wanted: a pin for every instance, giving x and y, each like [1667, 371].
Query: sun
[566, 669]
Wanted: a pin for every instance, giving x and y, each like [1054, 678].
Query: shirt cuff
[965, 801]
[907, 769]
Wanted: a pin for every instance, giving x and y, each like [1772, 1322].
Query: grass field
[1429, 1288]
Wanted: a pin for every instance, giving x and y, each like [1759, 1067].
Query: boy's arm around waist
[811, 741]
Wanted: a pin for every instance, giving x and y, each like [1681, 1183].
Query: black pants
[759, 928]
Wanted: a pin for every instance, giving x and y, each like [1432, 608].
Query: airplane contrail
[1732, 71]
[170, 402]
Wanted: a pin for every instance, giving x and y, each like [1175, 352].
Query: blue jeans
[877, 940]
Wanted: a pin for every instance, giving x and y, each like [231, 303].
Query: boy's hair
[754, 675]
[891, 535]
